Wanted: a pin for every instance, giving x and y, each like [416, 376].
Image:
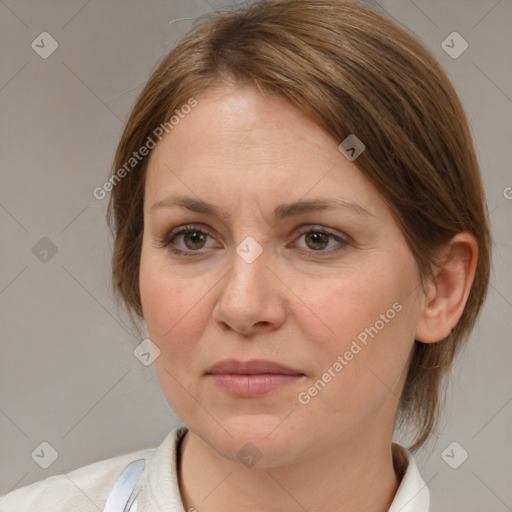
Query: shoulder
[84, 489]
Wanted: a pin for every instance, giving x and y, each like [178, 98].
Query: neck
[355, 475]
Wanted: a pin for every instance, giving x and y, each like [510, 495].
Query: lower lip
[247, 386]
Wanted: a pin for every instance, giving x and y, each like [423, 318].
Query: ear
[448, 288]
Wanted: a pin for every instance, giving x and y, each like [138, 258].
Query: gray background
[68, 375]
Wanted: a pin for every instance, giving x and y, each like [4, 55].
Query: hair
[354, 71]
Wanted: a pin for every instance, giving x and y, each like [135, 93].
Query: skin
[298, 303]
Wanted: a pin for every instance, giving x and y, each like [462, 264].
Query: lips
[252, 367]
[252, 379]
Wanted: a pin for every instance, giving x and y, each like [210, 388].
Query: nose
[251, 298]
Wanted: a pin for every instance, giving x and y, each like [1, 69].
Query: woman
[299, 220]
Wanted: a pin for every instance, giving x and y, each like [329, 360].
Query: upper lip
[252, 367]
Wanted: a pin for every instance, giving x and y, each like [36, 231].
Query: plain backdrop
[68, 374]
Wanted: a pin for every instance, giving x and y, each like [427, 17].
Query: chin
[256, 440]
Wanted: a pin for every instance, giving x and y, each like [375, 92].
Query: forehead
[243, 120]
[251, 143]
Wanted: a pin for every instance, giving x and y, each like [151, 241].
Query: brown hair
[354, 71]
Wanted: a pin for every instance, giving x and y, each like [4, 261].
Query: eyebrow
[280, 212]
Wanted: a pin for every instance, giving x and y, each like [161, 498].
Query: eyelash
[166, 241]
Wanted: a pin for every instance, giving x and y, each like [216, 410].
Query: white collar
[413, 494]
[159, 488]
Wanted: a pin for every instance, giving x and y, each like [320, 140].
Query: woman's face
[267, 273]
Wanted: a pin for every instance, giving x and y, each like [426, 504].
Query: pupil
[318, 238]
[195, 237]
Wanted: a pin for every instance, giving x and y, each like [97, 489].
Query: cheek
[173, 312]
[170, 302]
[177, 307]
[368, 321]
[342, 306]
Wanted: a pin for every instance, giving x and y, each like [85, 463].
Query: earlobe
[448, 289]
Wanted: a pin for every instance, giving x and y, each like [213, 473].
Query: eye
[190, 240]
[186, 239]
[318, 239]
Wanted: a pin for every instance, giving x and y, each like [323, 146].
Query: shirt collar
[413, 494]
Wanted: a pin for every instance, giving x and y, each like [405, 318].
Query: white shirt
[86, 489]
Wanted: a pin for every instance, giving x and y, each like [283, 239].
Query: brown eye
[188, 240]
[194, 239]
[316, 240]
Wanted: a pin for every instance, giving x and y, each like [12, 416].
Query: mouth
[253, 378]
